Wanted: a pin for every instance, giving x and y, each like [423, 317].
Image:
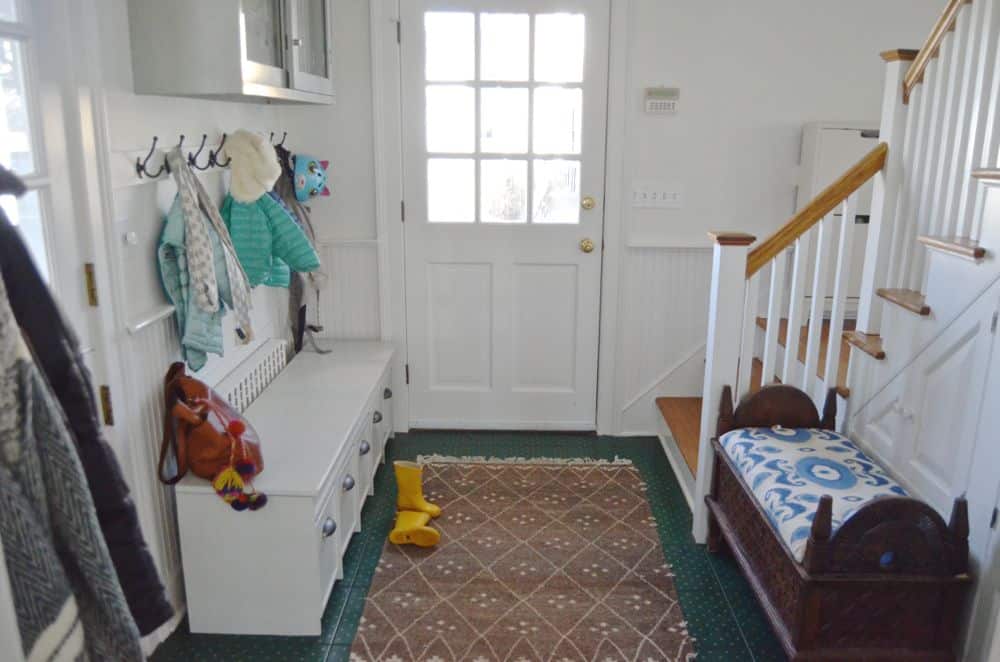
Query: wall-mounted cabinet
[250, 50]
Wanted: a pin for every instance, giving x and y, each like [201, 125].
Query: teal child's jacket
[268, 241]
[200, 331]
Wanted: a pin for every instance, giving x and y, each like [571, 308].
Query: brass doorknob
[588, 202]
[587, 245]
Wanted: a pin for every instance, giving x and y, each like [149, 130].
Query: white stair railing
[738, 285]
[939, 117]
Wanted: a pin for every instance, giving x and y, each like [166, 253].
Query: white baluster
[840, 285]
[965, 117]
[986, 132]
[722, 352]
[903, 217]
[955, 53]
[824, 239]
[791, 372]
[775, 301]
[748, 337]
[885, 200]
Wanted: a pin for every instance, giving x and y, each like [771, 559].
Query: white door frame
[388, 148]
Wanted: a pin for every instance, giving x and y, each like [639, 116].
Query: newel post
[885, 192]
[727, 300]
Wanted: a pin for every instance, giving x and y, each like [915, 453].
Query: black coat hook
[193, 158]
[141, 164]
[213, 156]
[271, 138]
[284, 134]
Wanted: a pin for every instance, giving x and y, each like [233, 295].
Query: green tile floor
[722, 613]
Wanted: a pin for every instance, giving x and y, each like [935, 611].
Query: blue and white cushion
[788, 471]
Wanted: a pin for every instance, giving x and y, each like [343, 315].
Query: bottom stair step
[683, 418]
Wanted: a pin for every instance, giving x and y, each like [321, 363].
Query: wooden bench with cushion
[845, 565]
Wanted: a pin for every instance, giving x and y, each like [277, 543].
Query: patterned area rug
[539, 560]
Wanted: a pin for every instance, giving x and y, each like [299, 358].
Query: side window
[19, 130]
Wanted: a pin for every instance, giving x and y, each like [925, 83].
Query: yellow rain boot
[411, 492]
[411, 529]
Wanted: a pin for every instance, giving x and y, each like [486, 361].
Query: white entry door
[504, 118]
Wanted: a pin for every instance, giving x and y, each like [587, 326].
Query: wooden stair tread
[961, 246]
[824, 342]
[867, 343]
[683, 418]
[909, 299]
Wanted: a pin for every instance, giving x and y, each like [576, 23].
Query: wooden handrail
[817, 209]
[945, 24]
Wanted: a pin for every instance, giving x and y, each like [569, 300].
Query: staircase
[928, 256]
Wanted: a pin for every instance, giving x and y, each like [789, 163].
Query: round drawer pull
[348, 483]
[365, 448]
[377, 417]
[386, 394]
[329, 526]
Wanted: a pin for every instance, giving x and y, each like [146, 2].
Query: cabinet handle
[329, 526]
[296, 41]
[377, 417]
[365, 447]
[386, 394]
[348, 483]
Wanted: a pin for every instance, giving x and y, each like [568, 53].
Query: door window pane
[556, 192]
[559, 42]
[8, 10]
[503, 47]
[312, 32]
[504, 120]
[451, 119]
[450, 46]
[504, 191]
[451, 190]
[558, 116]
[25, 213]
[15, 133]
[262, 19]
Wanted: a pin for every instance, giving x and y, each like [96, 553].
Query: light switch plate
[657, 195]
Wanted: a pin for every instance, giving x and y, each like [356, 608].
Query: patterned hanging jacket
[57, 355]
[199, 269]
[67, 598]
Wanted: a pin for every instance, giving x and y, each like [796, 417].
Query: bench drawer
[338, 518]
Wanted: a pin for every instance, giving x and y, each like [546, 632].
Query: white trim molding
[388, 153]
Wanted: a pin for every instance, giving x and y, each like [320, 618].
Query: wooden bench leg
[714, 540]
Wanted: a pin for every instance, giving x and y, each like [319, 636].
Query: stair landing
[683, 418]
[683, 415]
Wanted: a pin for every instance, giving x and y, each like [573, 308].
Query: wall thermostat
[662, 100]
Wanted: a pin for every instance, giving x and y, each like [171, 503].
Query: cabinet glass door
[261, 30]
[309, 47]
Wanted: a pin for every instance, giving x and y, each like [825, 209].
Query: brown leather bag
[199, 425]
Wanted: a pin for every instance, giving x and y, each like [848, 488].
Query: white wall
[345, 222]
[750, 75]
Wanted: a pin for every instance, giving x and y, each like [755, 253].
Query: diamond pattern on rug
[539, 560]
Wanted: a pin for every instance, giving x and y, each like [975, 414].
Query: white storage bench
[324, 422]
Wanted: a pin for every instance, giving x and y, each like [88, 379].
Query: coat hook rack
[213, 156]
[193, 158]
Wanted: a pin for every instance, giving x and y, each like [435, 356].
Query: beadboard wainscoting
[663, 321]
[349, 302]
